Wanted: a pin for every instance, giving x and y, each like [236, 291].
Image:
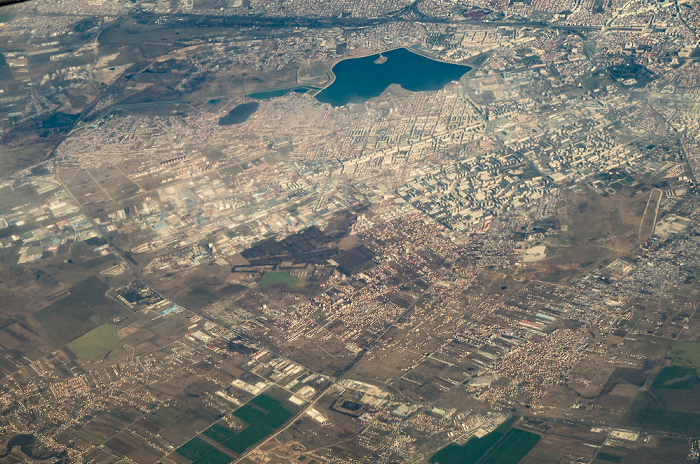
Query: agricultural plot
[512, 448]
[671, 403]
[199, 451]
[92, 290]
[269, 417]
[647, 412]
[608, 457]
[67, 319]
[214, 457]
[687, 354]
[263, 414]
[676, 378]
[504, 445]
[95, 342]
[219, 433]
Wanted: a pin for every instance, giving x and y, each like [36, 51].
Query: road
[202, 21]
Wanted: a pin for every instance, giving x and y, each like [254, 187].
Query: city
[203, 262]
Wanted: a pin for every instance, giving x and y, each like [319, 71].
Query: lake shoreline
[404, 64]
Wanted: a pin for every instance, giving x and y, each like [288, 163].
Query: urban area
[350, 232]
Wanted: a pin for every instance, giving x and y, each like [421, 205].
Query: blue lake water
[359, 79]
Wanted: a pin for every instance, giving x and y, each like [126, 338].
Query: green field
[646, 412]
[474, 449]
[263, 414]
[609, 457]
[95, 342]
[676, 378]
[687, 354]
[250, 414]
[219, 433]
[197, 449]
[262, 423]
[66, 319]
[214, 457]
[673, 394]
[512, 448]
[266, 402]
[279, 277]
[683, 372]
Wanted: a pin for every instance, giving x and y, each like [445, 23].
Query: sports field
[279, 277]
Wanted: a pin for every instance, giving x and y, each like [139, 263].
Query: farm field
[505, 445]
[97, 341]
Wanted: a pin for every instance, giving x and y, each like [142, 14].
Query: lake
[359, 79]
